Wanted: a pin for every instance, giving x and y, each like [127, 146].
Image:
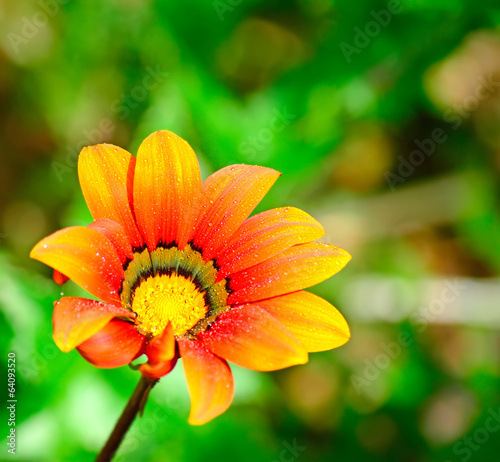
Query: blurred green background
[384, 118]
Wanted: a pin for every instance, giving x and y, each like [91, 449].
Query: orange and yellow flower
[181, 271]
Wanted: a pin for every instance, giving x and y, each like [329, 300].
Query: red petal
[118, 343]
[317, 324]
[106, 176]
[167, 189]
[228, 197]
[116, 234]
[76, 319]
[266, 235]
[162, 347]
[252, 338]
[161, 355]
[158, 370]
[60, 278]
[209, 379]
[86, 257]
[299, 267]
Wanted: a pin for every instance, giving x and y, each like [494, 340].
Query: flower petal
[209, 380]
[60, 278]
[167, 189]
[250, 337]
[116, 234]
[85, 256]
[315, 323]
[162, 347]
[76, 319]
[158, 370]
[228, 197]
[299, 267]
[118, 343]
[265, 235]
[162, 354]
[106, 175]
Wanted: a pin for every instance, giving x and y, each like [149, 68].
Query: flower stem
[135, 405]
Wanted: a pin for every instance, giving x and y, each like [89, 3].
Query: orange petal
[106, 175]
[60, 278]
[162, 347]
[228, 197]
[85, 256]
[317, 324]
[299, 267]
[158, 370]
[209, 380]
[250, 337]
[116, 344]
[265, 235]
[77, 319]
[167, 189]
[161, 354]
[116, 234]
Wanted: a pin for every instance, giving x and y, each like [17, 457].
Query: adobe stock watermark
[30, 27]
[392, 350]
[252, 145]
[121, 107]
[33, 364]
[225, 6]
[363, 37]
[466, 446]
[455, 116]
[148, 424]
[290, 452]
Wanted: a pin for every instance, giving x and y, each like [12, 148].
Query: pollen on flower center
[168, 298]
[169, 284]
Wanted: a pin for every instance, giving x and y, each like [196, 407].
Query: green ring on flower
[182, 267]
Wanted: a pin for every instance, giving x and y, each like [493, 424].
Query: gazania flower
[181, 271]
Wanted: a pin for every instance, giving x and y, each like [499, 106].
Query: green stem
[135, 405]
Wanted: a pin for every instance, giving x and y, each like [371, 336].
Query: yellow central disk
[160, 299]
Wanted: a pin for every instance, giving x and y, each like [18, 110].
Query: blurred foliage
[338, 96]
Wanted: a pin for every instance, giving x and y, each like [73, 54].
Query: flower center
[176, 286]
[161, 299]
